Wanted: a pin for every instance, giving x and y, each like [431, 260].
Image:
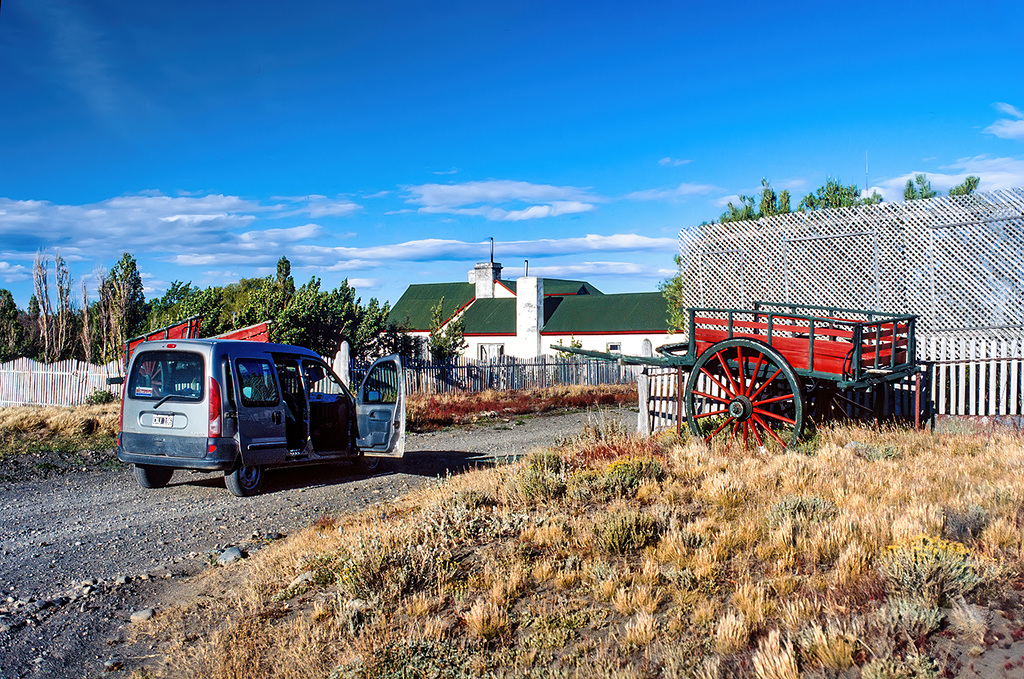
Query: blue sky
[386, 142]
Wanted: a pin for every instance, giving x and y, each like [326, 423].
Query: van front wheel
[153, 477]
[244, 480]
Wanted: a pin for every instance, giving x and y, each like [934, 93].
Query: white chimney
[529, 315]
[484, 276]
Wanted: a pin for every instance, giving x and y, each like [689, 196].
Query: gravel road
[79, 553]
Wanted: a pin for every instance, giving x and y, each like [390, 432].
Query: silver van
[241, 407]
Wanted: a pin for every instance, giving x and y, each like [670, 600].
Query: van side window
[256, 382]
[381, 385]
[321, 381]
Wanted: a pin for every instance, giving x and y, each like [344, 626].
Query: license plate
[163, 420]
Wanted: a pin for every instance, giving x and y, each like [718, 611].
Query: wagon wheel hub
[741, 408]
[741, 389]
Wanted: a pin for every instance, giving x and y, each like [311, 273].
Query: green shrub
[99, 397]
[586, 485]
[397, 659]
[378, 571]
[536, 485]
[964, 525]
[802, 509]
[934, 570]
[912, 667]
[623, 477]
[545, 461]
[911, 618]
[627, 529]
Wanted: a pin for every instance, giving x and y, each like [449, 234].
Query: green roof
[627, 312]
[412, 310]
[491, 317]
[560, 286]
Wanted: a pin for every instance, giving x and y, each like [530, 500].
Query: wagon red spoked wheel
[744, 390]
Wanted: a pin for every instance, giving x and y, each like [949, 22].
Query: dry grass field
[56, 434]
[869, 553]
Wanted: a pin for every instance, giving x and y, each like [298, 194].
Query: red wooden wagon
[755, 373]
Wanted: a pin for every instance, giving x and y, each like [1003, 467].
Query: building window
[614, 347]
[491, 352]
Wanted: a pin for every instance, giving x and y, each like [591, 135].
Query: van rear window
[172, 375]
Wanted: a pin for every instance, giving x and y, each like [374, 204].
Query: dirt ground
[81, 551]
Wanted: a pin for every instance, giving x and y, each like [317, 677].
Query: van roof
[211, 342]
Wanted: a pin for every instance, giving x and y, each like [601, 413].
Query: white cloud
[995, 174]
[501, 199]
[1008, 128]
[684, 190]
[11, 273]
[341, 258]
[268, 238]
[673, 162]
[585, 269]
[315, 206]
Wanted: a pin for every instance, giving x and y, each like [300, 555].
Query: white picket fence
[65, 383]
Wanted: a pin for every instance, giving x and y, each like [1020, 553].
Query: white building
[524, 317]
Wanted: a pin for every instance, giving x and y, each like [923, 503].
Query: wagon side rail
[852, 347]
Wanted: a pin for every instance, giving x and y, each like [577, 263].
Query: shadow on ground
[430, 463]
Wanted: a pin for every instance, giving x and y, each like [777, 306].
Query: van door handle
[275, 417]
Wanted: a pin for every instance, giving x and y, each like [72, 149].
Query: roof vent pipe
[526, 267]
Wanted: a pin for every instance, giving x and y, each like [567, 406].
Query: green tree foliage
[446, 340]
[768, 204]
[12, 331]
[285, 282]
[834, 194]
[918, 187]
[966, 188]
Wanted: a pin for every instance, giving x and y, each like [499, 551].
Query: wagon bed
[854, 348]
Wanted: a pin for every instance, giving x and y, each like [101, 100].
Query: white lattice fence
[956, 262]
[65, 383]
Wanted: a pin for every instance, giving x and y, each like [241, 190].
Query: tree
[966, 188]
[833, 194]
[12, 332]
[919, 187]
[285, 282]
[318, 319]
[767, 204]
[446, 340]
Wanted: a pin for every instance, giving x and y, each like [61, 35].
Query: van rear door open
[380, 409]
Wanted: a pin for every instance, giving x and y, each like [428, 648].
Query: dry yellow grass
[759, 564]
[59, 420]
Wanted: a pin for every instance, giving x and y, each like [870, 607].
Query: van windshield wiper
[162, 401]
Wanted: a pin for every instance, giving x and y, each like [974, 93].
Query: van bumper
[218, 454]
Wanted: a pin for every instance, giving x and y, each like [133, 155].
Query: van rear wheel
[244, 480]
[152, 477]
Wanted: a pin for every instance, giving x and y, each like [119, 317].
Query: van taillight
[215, 421]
